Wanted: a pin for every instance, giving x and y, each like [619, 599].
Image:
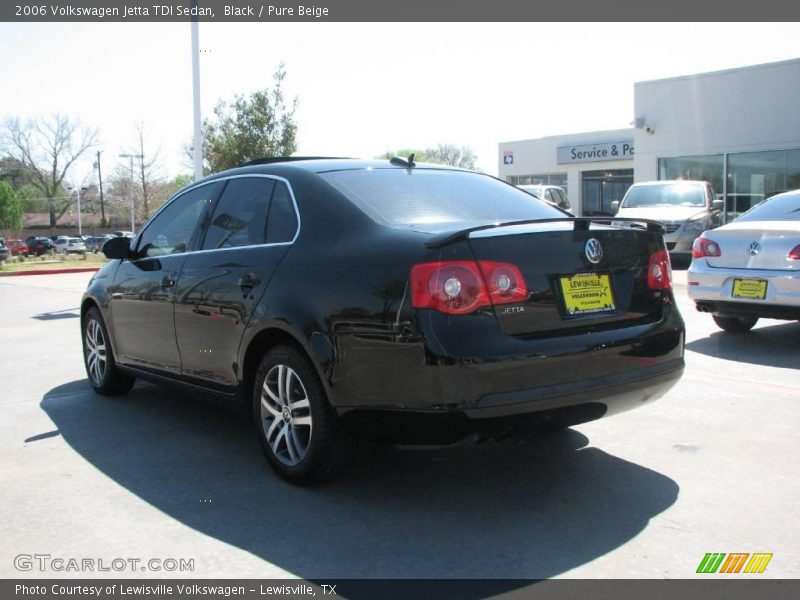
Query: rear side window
[282, 222]
[240, 218]
[427, 199]
[778, 208]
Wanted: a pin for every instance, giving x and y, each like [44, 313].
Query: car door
[251, 229]
[142, 295]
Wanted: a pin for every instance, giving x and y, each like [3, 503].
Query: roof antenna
[404, 162]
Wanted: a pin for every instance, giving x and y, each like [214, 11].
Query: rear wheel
[104, 376]
[296, 425]
[735, 324]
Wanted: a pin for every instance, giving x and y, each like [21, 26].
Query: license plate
[751, 289]
[587, 293]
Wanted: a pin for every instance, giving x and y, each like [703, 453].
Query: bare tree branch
[48, 148]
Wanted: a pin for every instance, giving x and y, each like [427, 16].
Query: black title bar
[220, 11]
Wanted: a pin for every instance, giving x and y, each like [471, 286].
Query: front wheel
[296, 425]
[104, 376]
[735, 324]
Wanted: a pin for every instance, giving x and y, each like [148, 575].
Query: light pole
[197, 153]
[133, 206]
[78, 190]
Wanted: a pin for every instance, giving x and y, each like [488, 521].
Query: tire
[735, 324]
[98, 358]
[298, 431]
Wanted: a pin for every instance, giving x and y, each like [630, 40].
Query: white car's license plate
[749, 289]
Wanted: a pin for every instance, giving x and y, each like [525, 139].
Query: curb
[50, 271]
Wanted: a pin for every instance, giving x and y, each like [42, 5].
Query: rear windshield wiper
[580, 224]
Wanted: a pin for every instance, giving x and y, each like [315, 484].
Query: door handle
[248, 281]
[168, 281]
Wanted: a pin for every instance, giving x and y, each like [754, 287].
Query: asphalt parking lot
[712, 467]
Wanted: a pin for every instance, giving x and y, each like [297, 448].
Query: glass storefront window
[559, 179]
[695, 168]
[755, 176]
[752, 176]
[601, 188]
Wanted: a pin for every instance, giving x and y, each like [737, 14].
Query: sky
[363, 88]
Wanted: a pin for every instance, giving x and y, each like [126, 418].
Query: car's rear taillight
[795, 253]
[458, 287]
[659, 271]
[505, 282]
[703, 246]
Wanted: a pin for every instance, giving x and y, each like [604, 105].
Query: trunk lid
[756, 245]
[567, 292]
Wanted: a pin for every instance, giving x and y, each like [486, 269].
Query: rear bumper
[712, 288]
[563, 405]
[437, 392]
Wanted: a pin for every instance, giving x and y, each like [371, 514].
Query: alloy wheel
[286, 415]
[96, 357]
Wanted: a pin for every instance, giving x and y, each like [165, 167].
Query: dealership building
[738, 129]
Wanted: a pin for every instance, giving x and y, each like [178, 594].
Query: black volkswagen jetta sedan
[384, 299]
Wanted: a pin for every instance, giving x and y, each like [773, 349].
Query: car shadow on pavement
[772, 346]
[519, 508]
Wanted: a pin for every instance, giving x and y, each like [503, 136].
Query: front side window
[173, 229]
[240, 218]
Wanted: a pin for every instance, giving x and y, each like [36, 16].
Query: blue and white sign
[508, 157]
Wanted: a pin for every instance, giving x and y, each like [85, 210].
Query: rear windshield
[432, 199]
[778, 208]
[674, 194]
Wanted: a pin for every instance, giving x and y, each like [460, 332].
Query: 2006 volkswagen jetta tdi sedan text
[383, 299]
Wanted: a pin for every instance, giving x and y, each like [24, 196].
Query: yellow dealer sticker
[751, 289]
[587, 293]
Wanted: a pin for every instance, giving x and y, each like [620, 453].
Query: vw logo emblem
[594, 251]
[754, 248]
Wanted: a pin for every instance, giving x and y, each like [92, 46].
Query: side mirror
[615, 206]
[717, 204]
[118, 247]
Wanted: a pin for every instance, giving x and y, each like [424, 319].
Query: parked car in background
[70, 245]
[41, 245]
[750, 268]
[94, 243]
[127, 234]
[20, 248]
[552, 194]
[686, 209]
[384, 299]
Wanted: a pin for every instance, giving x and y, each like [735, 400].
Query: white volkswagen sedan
[750, 268]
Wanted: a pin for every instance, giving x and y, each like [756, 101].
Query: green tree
[10, 208]
[419, 155]
[442, 154]
[261, 125]
[30, 198]
[455, 156]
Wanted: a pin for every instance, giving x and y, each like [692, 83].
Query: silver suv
[552, 194]
[685, 208]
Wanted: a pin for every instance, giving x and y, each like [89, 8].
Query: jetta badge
[754, 248]
[594, 251]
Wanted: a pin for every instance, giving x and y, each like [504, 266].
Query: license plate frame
[585, 294]
[749, 289]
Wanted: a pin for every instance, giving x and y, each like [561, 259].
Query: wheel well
[260, 345]
[87, 304]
